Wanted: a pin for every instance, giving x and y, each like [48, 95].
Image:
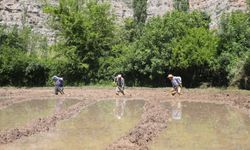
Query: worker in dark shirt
[58, 84]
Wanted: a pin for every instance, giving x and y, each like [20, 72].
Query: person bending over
[58, 84]
[176, 83]
[120, 84]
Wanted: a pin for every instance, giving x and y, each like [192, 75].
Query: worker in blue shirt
[58, 84]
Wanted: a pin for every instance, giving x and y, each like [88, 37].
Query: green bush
[148, 59]
[244, 78]
[16, 63]
[87, 35]
[92, 48]
[234, 44]
[194, 56]
[36, 74]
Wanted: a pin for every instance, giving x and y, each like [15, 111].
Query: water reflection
[94, 128]
[176, 110]
[119, 108]
[204, 126]
[20, 114]
[58, 105]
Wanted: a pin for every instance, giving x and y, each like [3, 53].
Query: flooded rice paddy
[20, 114]
[190, 126]
[203, 126]
[94, 128]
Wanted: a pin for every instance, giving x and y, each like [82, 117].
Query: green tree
[181, 5]
[146, 60]
[16, 63]
[140, 11]
[245, 78]
[195, 53]
[87, 33]
[234, 45]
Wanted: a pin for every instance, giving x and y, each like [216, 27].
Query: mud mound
[42, 124]
[153, 121]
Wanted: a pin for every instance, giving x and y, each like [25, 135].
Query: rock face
[122, 8]
[29, 12]
[215, 8]
[26, 12]
[159, 7]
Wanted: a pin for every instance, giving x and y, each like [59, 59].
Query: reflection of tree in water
[176, 110]
[120, 108]
[58, 106]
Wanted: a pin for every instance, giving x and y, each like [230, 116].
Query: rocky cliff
[123, 8]
[29, 12]
[26, 12]
[215, 8]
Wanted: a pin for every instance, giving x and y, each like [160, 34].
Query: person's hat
[170, 76]
[119, 75]
[54, 77]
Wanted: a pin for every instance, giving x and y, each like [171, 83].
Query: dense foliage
[92, 47]
[18, 64]
[140, 11]
[181, 5]
[87, 33]
[156, 51]
[234, 46]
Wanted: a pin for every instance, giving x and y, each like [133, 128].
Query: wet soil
[152, 122]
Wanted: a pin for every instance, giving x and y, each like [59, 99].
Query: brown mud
[152, 122]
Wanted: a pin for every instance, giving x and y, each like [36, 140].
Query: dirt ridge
[42, 124]
[153, 121]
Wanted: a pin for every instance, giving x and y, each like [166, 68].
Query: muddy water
[199, 126]
[18, 115]
[94, 128]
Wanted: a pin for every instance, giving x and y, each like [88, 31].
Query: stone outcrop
[159, 7]
[216, 8]
[26, 12]
[122, 8]
[29, 12]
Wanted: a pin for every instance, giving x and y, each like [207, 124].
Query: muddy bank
[153, 121]
[10, 96]
[42, 124]
[236, 98]
[243, 105]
